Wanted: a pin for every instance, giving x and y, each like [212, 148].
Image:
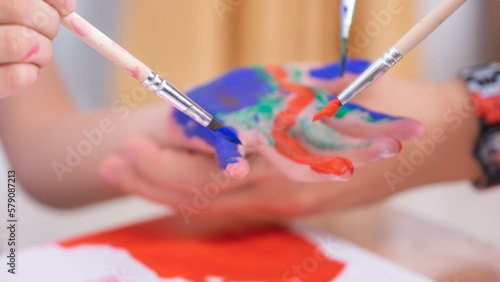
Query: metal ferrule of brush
[374, 71]
[176, 98]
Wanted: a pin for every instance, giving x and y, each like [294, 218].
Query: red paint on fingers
[32, 52]
[291, 148]
[328, 111]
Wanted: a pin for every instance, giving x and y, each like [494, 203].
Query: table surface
[435, 251]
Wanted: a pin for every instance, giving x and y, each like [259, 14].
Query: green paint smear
[295, 75]
[321, 137]
[343, 111]
[258, 116]
[322, 98]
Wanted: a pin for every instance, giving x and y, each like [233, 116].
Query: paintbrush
[346, 16]
[409, 41]
[123, 59]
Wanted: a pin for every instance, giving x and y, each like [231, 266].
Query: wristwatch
[483, 83]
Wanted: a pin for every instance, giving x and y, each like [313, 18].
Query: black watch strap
[483, 83]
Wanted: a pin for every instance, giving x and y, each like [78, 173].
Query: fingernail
[238, 170]
[70, 5]
[386, 153]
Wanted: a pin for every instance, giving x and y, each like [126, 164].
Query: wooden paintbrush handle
[427, 25]
[107, 47]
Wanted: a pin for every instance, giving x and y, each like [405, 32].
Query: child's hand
[27, 28]
[191, 183]
[271, 109]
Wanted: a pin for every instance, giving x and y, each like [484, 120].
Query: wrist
[461, 125]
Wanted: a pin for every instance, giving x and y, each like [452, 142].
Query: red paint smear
[81, 27]
[32, 52]
[135, 73]
[259, 256]
[328, 111]
[290, 147]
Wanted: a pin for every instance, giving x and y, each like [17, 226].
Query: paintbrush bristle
[220, 130]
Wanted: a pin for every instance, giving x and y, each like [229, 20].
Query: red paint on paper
[268, 255]
[32, 52]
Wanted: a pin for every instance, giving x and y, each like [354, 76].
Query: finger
[19, 44]
[16, 77]
[117, 171]
[64, 7]
[185, 132]
[357, 121]
[167, 166]
[359, 151]
[230, 157]
[34, 14]
[294, 159]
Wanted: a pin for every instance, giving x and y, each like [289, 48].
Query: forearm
[57, 150]
[452, 132]
[58, 162]
[444, 155]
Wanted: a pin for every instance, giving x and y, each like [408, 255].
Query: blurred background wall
[196, 42]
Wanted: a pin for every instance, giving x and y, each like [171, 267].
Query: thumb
[64, 7]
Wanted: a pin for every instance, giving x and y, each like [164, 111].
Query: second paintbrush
[411, 39]
[123, 59]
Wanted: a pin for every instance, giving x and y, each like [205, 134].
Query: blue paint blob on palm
[332, 71]
[233, 91]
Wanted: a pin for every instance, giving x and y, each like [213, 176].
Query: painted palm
[271, 109]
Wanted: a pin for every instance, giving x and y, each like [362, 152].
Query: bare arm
[57, 150]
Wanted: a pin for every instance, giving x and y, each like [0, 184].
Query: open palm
[271, 109]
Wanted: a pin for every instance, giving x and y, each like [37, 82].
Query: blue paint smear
[356, 66]
[233, 91]
[228, 134]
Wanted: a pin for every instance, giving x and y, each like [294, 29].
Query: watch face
[491, 148]
[484, 80]
[488, 154]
